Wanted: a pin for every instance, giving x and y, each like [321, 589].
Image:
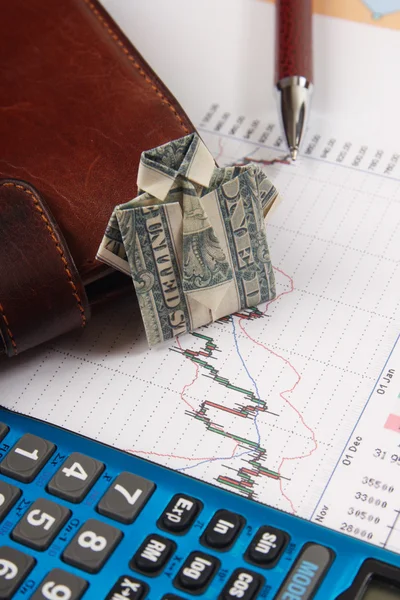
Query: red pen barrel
[293, 39]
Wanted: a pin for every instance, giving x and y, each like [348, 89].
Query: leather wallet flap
[78, 107]
[41, 293]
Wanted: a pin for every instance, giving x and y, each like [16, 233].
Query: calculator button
[126, 497]
[26, 458]
[92, 546]
[9, 494]
[153, 554]
[222, 530]
[128, 588]
[75, 477]
[196, 572]
[243, 584]
[14, 568]
[40, 524]
[266, 546]
[60, 585]
[172, 597]
[179, 514]
[3, 431]
[307, 572]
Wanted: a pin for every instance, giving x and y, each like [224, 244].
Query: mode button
[307, 573]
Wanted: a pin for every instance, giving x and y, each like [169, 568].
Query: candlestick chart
[263, 402]
[251, 450]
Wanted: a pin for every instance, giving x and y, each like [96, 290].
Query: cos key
[242, 584]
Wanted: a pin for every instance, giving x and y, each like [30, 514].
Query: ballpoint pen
[293, 69]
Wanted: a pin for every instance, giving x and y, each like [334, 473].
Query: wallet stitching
[13, 342]
[60, 252]
[115, 37]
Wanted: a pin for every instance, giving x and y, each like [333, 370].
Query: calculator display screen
[379, 590]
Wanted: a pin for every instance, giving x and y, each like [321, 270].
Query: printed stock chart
[295, 403]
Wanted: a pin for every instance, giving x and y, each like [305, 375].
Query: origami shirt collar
[160, 167]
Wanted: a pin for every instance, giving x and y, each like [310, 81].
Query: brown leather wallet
[78, 105]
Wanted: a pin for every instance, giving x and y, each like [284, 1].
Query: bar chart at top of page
[263, 402]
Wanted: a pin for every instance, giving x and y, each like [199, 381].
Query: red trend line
[182, 395]
[188, 385]
[193, 458]
[282, 394]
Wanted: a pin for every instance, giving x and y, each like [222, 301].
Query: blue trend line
[218, 458]
[249, 376]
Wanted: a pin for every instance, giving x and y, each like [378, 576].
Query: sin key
[267, 546]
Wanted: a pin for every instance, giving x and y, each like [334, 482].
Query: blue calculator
[79, 519]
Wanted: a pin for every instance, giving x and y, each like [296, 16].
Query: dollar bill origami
[193, 240]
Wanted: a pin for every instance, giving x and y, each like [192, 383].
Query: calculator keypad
[126, 497]
[59, 584]
[128, 588]
[75, 477]
[266, 546]
[179, 514]
[242, 584]
[15, 566]
[40, 524]
[26, 458]
[92, 545]
[197, 572]
[153, 555]
[190, 572]
[9, 494]
[222, 530]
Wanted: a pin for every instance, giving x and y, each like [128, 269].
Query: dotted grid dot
[341, 303]
[347, 188]
[106, 387]
[322, 333]
[360, 338]
[290, 351]
[199, 447]
[177, 409]
[333, 243]
[117, 371]
[271, 424]
[349, 207]
[383, 258]
[43, 362]
[294, 205]
[163, 389]
[264, 329]
[251, 431]
[287, 323]
[15, 404]
[100, 333]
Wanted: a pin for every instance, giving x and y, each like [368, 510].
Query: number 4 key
[75, 477]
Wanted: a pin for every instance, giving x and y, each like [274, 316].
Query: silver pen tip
[293, 153]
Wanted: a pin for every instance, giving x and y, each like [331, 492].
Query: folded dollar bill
[193, 240]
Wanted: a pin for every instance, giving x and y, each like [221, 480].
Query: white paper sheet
[267, 403]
